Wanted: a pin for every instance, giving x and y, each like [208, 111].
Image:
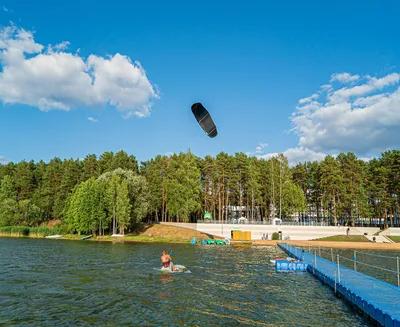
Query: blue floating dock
[377, 299]
[284, 265]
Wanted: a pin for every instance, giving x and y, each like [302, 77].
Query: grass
[41, 232]
[28, 231]
[144, 238]
[395, 238]
[344, 238]
[127, 238]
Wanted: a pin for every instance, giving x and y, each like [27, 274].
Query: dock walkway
[377, 299]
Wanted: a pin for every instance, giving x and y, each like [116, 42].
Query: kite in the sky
[204, 119]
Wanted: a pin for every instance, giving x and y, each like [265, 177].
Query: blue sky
[249, 63]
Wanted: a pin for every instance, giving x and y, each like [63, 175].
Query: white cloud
[344, 78]
[93, 120]
[3, 160]
[50, 78]
[260, 148]
[309, 99]
[169, 154]
[296, 155]
[326, 87]
[58, 47]
[364, 118]
[373, 84]
[368, 101]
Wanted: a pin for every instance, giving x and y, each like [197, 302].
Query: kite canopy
[204, 119]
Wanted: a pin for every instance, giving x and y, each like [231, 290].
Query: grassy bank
[126, 238]
[143, 233]
[141, 238]
[395, 238]
[24, 231]
[344, 238]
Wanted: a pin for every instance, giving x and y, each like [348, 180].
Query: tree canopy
[112, 192]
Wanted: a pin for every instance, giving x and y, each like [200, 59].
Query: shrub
[26, 231]
[5, 230]
[275, 236]
[21, 230]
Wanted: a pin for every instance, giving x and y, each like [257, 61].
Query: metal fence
[366, 222]
[262, 222]
[384, 267]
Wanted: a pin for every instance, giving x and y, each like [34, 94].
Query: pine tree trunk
[386, 219]
[334, 210]
[213, 200]
[219, 205]
[240, 200]
[227, 203]
[247, 205]
[163, 205]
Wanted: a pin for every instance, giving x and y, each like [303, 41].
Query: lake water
[80, 283]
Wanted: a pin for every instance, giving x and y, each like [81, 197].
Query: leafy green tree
[294, 201]
[90, 167]
[152, 171]
[86, 208]
[353, 171]
[331, 183]
[8, 201]
[7, 212]
[183, 189]
[24, 180]
[124, 207]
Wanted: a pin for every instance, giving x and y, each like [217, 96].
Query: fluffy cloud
[344, 78]
[50, 78]
[308, 99]
[93, 120]
[362, 118]
[260, 148]
[296, 155]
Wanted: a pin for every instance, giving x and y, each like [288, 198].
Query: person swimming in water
[166, 260]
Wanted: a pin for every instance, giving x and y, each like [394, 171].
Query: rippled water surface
[78, 283]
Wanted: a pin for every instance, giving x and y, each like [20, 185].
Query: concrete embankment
[257, 231]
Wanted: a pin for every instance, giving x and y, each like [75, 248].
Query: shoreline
[253, 243]
[128, 239]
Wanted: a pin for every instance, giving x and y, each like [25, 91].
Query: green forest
[112, 192]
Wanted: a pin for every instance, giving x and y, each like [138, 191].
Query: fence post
[355, 260]
[315, 256]
[313, 266]
[332, 255]
[335, 281]
[338, 268]
[398, 272]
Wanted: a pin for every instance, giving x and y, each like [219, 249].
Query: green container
[210, 242]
